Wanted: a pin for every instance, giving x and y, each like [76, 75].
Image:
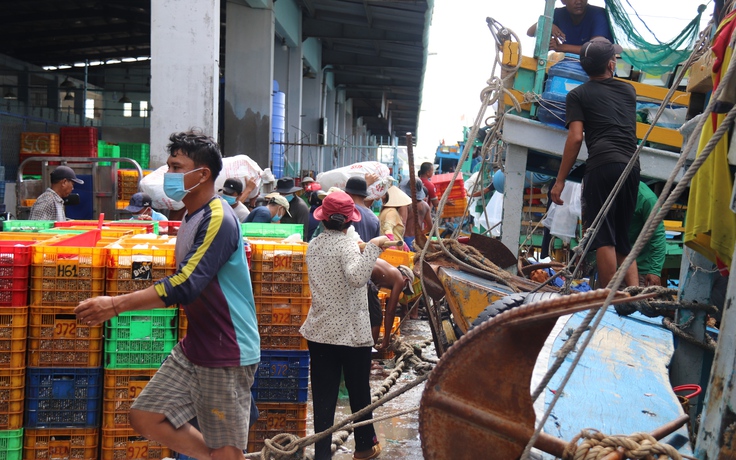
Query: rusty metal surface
[493, 249]
[493, 414]
[468, 295]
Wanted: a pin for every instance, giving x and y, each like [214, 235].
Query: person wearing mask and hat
[272, 212]
[140, 207]
[50, 204]
[230, 191]
[298, 210]
[393, 214]
[369, 226]
[423, 210]
[605, 110]
[338, 328]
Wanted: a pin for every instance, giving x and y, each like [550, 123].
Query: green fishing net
[649, 54]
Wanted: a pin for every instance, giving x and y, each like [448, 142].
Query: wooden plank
[621, 385]
[660, 135]
[658, 93]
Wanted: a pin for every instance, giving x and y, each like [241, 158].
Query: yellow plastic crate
[279, 320]
[122, 387]
[396, 257]
[277, 418]
[12, 397]
[61, 443]
[62, 275]
[132, 269]
[279, 269]
[13, 337]
[127, 444]
[57, 339]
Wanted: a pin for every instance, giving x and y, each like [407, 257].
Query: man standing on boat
[605, 109]
[574, 24]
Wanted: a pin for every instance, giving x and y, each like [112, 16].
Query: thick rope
[596, 446]
[287, 446]
[708, 345]
[596, 315]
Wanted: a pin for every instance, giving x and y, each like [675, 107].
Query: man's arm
[97, 310]
[569, 155]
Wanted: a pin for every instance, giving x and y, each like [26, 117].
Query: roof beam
[319, 28]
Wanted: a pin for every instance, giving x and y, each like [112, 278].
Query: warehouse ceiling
[375, 48]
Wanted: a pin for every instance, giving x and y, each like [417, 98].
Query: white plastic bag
[339, 177]
[565, 217]
[493, 214]
[239, 167]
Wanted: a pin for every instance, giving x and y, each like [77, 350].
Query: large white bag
[239, 167]
[565, 218]
[493, 214]
[339, 177]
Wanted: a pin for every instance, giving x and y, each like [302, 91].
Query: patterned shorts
[219, 397]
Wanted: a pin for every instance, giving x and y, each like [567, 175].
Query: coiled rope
[595, 445]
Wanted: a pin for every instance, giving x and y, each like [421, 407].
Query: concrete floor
[399, 437]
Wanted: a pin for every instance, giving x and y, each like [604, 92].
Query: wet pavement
[399, 436]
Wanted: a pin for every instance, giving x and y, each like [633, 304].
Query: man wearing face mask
[140, 208]
[275, 209]
[230, 191]
[208, 375]
[298, 209]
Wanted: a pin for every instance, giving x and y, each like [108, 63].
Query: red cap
[337, 202]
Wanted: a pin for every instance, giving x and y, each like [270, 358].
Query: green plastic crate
[141, 339]
[255, 230]
[105, 150]
[27, 225]
[138, 152]
[11, 444]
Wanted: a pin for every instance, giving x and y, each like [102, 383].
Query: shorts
[614, 228]
[375, 311]
[219, 397]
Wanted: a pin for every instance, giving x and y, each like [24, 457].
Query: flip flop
[373, 452]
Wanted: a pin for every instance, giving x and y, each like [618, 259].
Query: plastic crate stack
[136, 343]
[37, 144]
[15, 261]
[457, 200]
[141, 153]
[105, 150]
[64, 374]
[383, 296]
[283, 299]
[78, 142]
[127, 186]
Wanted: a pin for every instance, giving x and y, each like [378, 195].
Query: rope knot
[596, 446]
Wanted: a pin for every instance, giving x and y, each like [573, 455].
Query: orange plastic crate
[279, 269]
[457, 209]
[39, 143]
[12, 397]
[277, 418]
[130, 269]
[66, 275]
[183, 323]
[396, 257]
[13, 335]
[127, 444]
[122, 386]
[279, 320]
[61, 443]
[57, 339]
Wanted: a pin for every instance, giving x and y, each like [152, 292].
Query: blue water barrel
[278, 129]
[278, 114]
[277, 153]
[551, 115]
[570, 69]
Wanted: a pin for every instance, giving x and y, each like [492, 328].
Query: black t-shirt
[607, 109]
[299, 213]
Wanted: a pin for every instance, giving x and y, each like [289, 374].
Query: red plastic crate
[13, 335]
[78, 142]
[15, 261]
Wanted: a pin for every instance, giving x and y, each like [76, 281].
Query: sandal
[373, 452]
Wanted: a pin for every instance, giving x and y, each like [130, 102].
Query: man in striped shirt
[210, 372]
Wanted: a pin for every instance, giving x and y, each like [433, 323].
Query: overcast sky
[461, 53]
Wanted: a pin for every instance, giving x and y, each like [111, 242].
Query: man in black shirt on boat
[605, 109]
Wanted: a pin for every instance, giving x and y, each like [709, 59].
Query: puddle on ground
[399, 437]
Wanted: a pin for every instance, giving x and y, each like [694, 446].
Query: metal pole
[84, 94]
[418, 236]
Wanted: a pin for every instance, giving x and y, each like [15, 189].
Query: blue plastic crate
[282, 376]
[63, 397]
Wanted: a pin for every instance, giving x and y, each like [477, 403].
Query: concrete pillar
[249, 82]
[185, 54]
[513, 196]
[329, 160]
[311, 113]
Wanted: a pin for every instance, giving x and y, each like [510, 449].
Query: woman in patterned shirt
[337, 328]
